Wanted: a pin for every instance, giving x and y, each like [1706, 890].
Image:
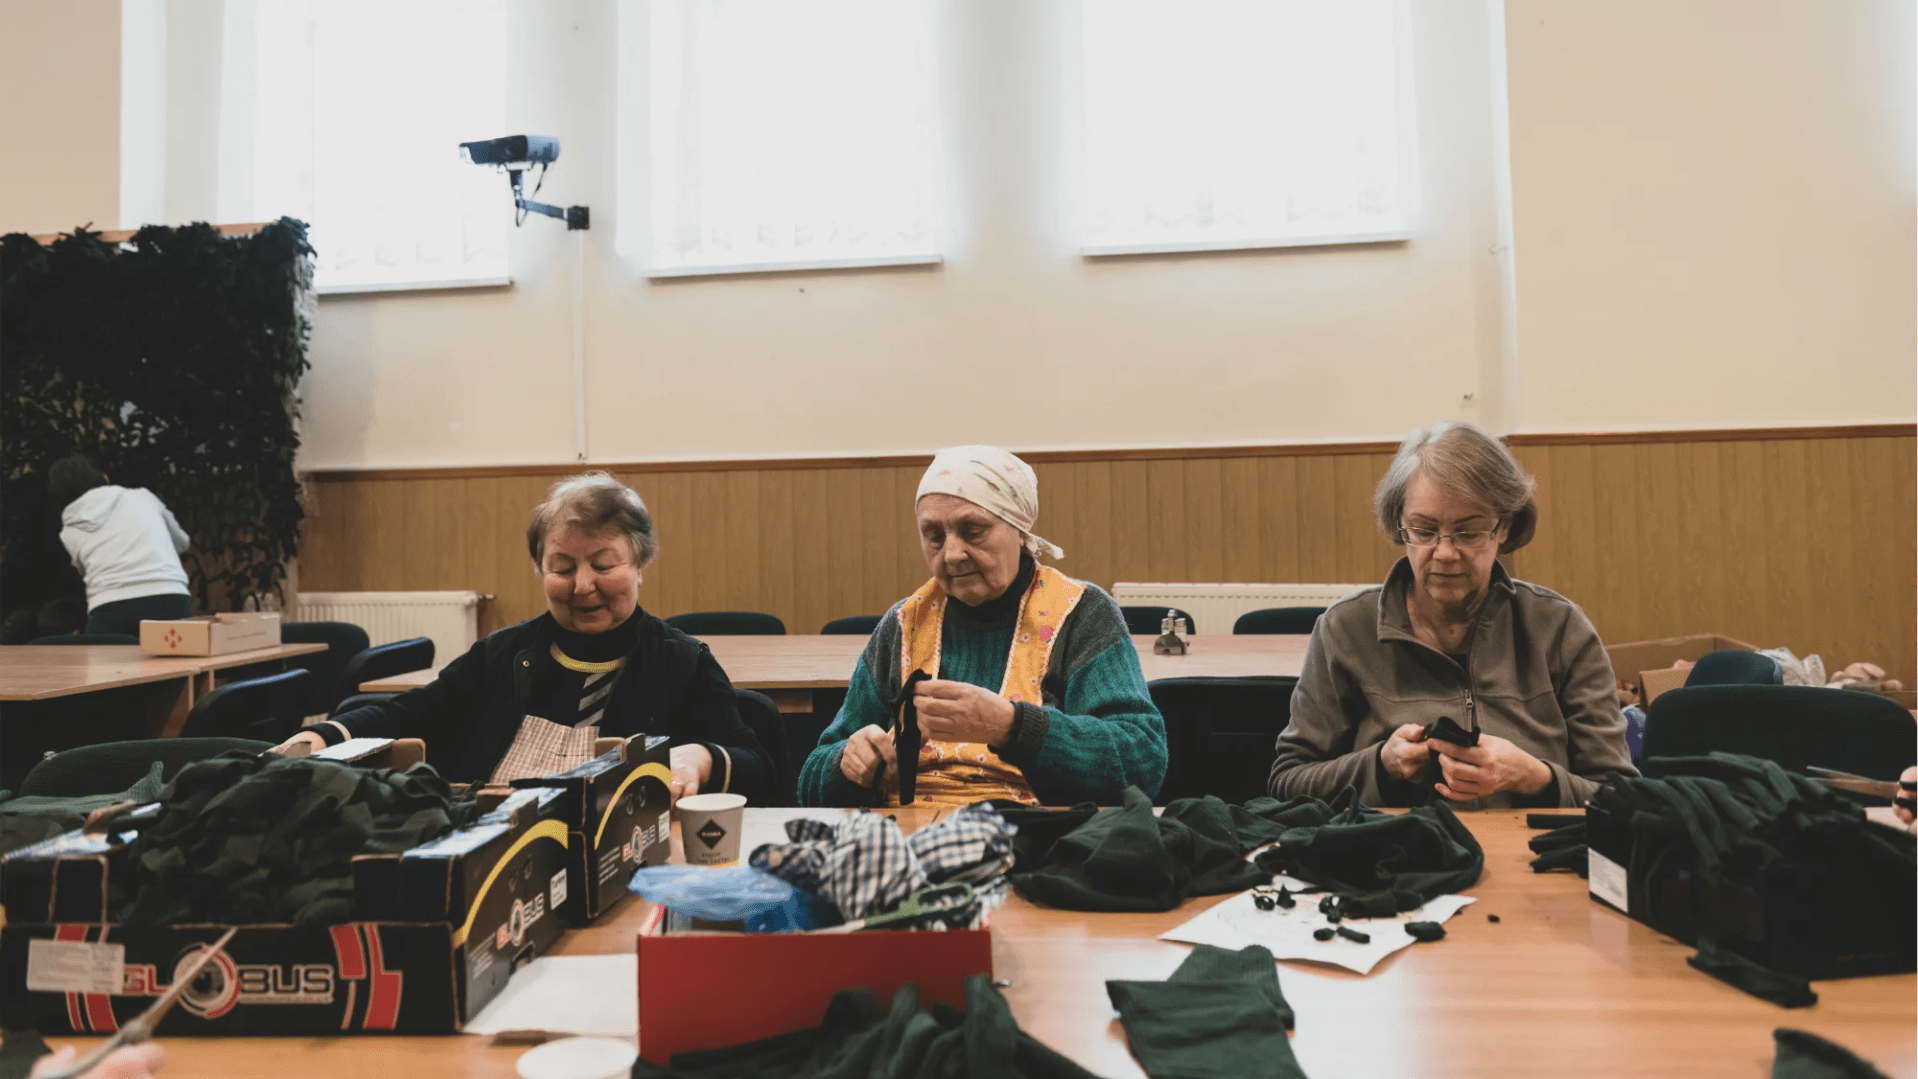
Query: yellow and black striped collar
[583, 666]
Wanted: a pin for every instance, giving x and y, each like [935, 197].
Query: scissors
[140, 1027]
[953, 904]
[1899, 791]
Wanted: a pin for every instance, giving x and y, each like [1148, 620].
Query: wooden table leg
[169, 702]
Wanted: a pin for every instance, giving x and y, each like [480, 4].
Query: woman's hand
[961, 712]
[1493, 765]
[692, 766]
[868, 747]
[127, 1062]
[1901, 802]
[303, 744]
[1407, 754]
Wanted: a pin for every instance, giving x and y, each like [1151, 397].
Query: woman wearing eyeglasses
[1450, 634]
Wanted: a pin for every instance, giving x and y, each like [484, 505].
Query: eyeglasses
[1464, 541]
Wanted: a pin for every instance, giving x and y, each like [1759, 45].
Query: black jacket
[469, 715]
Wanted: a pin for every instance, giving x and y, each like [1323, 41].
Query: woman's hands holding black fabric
[1493, 765]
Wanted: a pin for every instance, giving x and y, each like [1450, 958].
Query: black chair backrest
[88, 638]
[343, 641]
[1148, 619]
[1278, 620]
[359, 700]
[1735, 667]
[1221, 734]
[269, 708]
[385, 661]
[1796, 726]
[767, 725]
[111, 767]
[727, 624]
[858, 625]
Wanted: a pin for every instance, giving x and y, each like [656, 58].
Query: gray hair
[1469, 464]
[594, 503]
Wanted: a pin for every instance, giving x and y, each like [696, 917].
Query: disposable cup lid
[579, 1058]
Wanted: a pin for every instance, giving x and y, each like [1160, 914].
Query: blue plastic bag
[763, 902]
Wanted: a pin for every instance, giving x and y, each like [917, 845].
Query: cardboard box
[617, 809]
[210, 635]
[436, 932]
[1826, 920]
[774, 983]
[1648, 664]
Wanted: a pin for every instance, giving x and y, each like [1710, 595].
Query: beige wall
[1714, 211]
[60, 115]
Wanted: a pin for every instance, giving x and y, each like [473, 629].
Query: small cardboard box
[774, 983]
[1829, 920]
[436, 932]
[1648, 665]
[617, 809]
[210, 635]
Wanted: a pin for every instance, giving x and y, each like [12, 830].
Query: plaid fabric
[542, 748]
[864, 865]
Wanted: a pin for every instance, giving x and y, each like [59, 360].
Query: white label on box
[75, 966]
[558, 889]
[1608, 880]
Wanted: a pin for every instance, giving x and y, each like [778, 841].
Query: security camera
[515, 154]
[512, 151]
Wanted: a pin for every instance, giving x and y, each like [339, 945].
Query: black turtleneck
[996, 613]
[599, 647]
[557, 690]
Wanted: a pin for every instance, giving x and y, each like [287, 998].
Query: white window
[785, 135]
[1246, 123]
[348, 114]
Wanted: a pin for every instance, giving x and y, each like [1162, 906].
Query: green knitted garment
[1099, 732]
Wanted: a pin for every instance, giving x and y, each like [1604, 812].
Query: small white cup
[579, 1058]
[709, 826]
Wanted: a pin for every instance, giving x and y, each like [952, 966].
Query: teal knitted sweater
[1097, 734]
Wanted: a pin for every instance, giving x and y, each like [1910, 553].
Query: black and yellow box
[618, 815]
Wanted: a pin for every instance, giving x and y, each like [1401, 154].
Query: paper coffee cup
[709, 826]
[579, 1058]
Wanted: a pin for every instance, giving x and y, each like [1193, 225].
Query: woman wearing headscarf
[1517, 668]
[530, 699]
[1023, 681]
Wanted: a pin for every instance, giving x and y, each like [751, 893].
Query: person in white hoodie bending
[125, 543]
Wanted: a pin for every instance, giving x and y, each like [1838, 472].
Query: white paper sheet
[1287, 934]
[769, 826]
[568, 994]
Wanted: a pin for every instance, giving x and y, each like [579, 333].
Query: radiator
[450, 618]
[1214, 607]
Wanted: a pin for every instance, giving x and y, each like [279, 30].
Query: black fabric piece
[1548, 821]
[1220, 1016]
[1126, 858]
[242, 839]
[1371, 858]
[1352, 934]
[906, 740]
[1804, 1055]
[858, 1039]
[25, 821]
[1562, 848]
[1784, 990]
[23, 1046]
[1493, 918]
[1446, 729]
[1324, 933]
[1425, 932]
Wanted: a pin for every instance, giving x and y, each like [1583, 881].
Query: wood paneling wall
[1770, 537]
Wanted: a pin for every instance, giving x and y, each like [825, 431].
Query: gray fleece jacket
[1535, 674]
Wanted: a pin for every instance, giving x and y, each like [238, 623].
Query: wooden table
[1561, 986]
[789, 668]
[39, 672]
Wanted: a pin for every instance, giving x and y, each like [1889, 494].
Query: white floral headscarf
[989, 477]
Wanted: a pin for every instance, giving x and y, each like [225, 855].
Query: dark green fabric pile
[1125, 858]
[244, 839]
[1802, 1055]
[1561, 848]
[26, 821]
[1220, 1016]
[1782, 989]
[858, 1039]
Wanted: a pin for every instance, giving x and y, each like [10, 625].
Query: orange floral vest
[960, 773]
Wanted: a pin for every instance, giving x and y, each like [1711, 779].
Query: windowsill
[1108, 250]
[795, 267]
[415, 286]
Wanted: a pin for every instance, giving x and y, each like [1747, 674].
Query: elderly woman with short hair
[530, 699]
[1451, 634]
[1024, 682]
